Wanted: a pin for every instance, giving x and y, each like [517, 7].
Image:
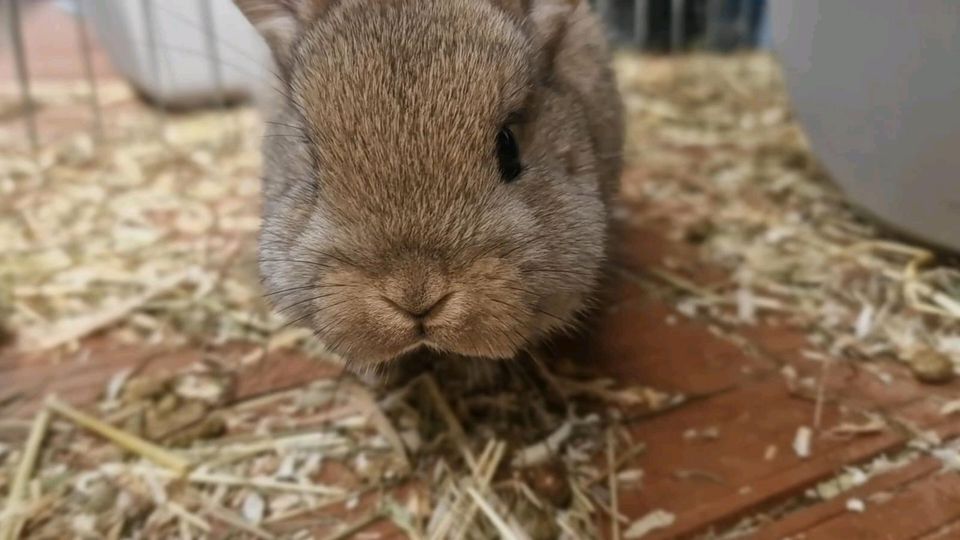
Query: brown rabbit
[439, 173]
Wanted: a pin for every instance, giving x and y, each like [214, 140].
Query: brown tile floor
[732, 375]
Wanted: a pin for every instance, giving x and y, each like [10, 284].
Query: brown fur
[382, 193]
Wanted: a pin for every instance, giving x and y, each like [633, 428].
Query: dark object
[737, 24]
[681, 25]
[932, 367]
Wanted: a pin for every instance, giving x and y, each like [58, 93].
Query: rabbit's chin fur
[388, 227]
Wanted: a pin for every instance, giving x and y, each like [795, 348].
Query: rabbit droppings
[438, 174]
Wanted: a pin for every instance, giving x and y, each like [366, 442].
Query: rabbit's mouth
[367, 343]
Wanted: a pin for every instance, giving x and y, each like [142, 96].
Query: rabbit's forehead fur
[402, 108]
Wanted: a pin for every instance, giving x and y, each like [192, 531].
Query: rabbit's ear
[516, 8]
[545, 16]
[545, 21]
[281, 21]
[548, 21]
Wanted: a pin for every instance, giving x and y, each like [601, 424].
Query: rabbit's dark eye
[508, 154]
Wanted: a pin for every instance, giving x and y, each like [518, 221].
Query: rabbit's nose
[419, 309]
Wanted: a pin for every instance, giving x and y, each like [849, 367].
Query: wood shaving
[951, 407]
[856, 505]
[874, 423]
[802, 442]
[658, 519]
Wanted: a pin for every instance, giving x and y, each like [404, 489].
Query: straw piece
[657, 519]
[227, 454]
[506, 531]
[260, 483]
[195, 521]
[450, 419]
[199, 477]
[489, 462]
[614, 489]
[683, 284]
[176, 464]
[326, 503]
[821, 392]
[539, 452]
[11, 526]
[622, 460]
[71, 329]
[383, 424]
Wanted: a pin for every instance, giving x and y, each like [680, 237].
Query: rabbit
[438, 174]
